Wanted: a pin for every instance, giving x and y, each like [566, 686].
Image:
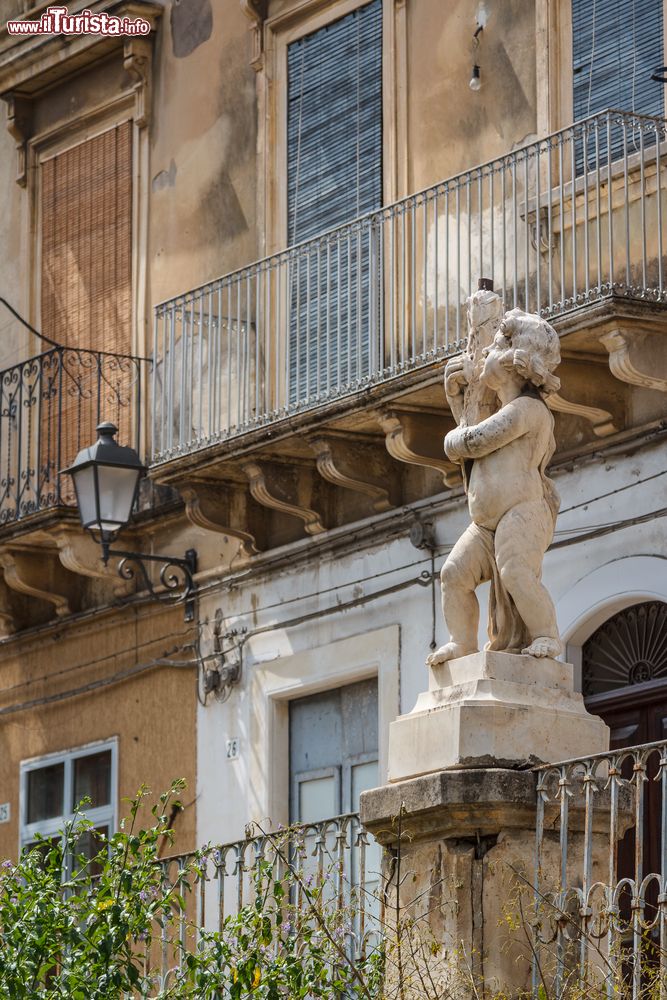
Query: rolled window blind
[334, 174]
[86, 300]
[616, 45]
[86, 250]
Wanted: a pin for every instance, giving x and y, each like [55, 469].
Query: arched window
[630, 648]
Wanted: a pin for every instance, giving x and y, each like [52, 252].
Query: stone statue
[504, 450]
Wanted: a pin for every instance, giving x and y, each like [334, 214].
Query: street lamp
[106, 479]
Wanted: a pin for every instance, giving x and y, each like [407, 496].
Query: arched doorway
[624, 673]
[624, 680]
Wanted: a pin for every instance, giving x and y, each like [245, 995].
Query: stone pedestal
[494, 710]
[459, 875]
[458, 816]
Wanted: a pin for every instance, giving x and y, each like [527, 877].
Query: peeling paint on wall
[191, 25]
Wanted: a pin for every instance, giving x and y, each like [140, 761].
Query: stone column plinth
[458, 818]
[494, 710]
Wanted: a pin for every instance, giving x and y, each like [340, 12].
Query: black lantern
[106, 479]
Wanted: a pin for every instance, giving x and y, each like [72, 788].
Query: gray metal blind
[334, 174]
[616, 45]
[334, 123]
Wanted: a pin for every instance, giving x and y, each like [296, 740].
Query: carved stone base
[459, 874]
[494, 710]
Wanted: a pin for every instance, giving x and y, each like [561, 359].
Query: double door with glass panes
[333, 750]
[333, 759]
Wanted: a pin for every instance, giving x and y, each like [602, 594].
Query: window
[85, 197]
[333, 740]
[52, 787]
[624, 665]
[616, 45]
[629, 649]
[86, 247]
[334, 175]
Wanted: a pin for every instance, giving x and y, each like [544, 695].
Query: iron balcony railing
[600, 882]
[337, 854]
[565, 220]
[590, 914]
[49, 408]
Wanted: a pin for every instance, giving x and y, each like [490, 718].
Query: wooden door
[637, 715]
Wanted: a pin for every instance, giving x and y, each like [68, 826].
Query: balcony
[328, 355]
[304, 393]
[49, 408]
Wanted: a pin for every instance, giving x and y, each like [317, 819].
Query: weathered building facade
[292, 411]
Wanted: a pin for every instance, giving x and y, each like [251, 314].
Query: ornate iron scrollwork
[177, 576]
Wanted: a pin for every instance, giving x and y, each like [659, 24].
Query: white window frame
[275, 683]
[100, 816]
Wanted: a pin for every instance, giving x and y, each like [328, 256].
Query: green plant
[78, 927]
[125, 923]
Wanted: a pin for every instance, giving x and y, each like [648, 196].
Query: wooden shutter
[86, 271]
[334, 174]
[86, 202]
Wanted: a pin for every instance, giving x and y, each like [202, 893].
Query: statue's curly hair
[533, 349]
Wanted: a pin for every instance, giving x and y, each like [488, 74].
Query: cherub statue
[512, 502]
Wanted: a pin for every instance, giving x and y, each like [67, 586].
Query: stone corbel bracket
[622, 368]
[415, 438]
[137, 61]
[19, 126]
[334, 465]
[602, 420]
[35, 573]
[8, 618]
[221, 508]
[80, 554]
[271, 489]
[255, 11]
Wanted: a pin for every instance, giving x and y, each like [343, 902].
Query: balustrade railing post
[658, 195]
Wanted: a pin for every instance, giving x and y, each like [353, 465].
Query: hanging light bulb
[475, 79]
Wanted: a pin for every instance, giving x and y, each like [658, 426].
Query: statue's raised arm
[470, 400]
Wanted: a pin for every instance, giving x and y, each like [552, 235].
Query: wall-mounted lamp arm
[177, 575]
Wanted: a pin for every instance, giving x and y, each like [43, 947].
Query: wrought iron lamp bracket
[177, 575]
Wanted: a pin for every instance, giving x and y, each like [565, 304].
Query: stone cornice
[32, 64]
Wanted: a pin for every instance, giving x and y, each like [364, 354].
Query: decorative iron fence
[49, 408]
[596, 913]
[600, 903]
[562, 221]
[336, 853]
